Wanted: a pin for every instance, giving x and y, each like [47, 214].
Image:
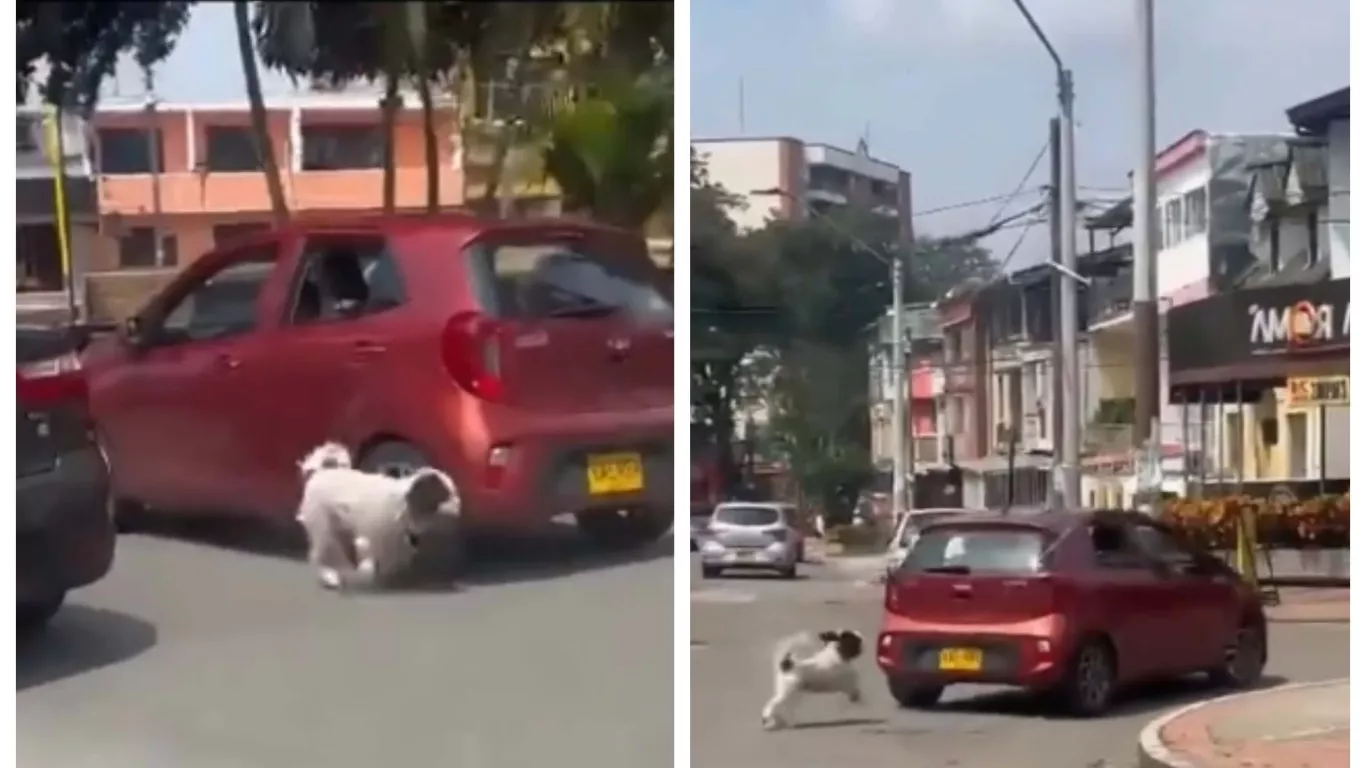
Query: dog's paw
[773, 723]
[330, 578]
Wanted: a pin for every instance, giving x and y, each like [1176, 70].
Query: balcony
[1109, 297]
[233, 193]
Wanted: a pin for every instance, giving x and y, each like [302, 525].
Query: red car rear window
[978, 549]
[556, 278]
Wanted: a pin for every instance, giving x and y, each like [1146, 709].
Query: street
[197, 653]
[736, 621]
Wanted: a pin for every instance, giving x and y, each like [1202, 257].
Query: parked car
[908, 529]
[533, 361]
[65, 531]
[751, 536]
[1073, 604]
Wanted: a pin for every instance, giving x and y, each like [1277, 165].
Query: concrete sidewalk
[1293, 726]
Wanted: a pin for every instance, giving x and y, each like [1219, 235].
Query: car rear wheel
[624, 528]
[789, 572]
[1244, 659]
[710, 572]
[912, 696]
[399, 459]
[1089, 686]
[35, 614]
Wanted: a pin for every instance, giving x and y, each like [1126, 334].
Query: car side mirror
[134, 333]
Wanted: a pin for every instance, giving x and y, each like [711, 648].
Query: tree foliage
[801, 296]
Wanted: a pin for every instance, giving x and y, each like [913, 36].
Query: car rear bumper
[1027, 662]
[758, 559]
[65, 530]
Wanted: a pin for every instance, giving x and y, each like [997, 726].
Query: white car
[908, 530]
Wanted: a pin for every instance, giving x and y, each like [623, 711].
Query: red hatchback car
[1076, 604]
[533, 361]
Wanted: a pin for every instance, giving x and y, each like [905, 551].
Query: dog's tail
[784, 653]
[329, 455]
[431, 490]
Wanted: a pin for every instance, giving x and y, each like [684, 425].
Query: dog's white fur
[827, 669]
[362, 526]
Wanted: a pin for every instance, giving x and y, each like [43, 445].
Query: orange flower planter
[1317, 522]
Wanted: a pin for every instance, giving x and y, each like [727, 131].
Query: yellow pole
[56, 153]
[1247, 545]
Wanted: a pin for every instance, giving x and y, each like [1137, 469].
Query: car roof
[764, 504]
[1045, 518]
[467, 223]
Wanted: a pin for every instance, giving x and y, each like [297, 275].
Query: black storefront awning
[34, 197]
[1260, 335]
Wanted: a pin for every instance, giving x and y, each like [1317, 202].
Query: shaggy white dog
[827, 669]
[362, 527]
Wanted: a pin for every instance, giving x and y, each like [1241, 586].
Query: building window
[1196, 213]
[1172, 226]
[231, 149]
[137, 248]
[26, 132]
[129, 151]
[342, 147]
[38, 259]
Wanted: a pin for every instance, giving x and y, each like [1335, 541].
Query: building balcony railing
[1109, 297]
[235, 193]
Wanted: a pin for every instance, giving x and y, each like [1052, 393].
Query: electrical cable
[1019, 188]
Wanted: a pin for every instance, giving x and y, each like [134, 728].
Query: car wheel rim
[1093, 677]
[396, 468]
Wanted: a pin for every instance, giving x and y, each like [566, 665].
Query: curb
[1153, 753]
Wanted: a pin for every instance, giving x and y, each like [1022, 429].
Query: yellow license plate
[960, 660]
[615, 473]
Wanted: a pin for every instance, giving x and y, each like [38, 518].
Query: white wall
[1339, 199]
[742, 166]
[1186, 262]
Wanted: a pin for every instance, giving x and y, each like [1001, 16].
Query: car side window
[223, 304]
[1113, 548]
[1161, 545]
[344, 278]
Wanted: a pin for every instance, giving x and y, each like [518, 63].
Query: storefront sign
[1305, 324]
[1325, 390]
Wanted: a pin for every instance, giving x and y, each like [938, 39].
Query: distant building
[784, 177]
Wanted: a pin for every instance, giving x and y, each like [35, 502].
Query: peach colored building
[329, 147]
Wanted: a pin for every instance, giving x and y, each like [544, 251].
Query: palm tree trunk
[260, 128]
[388, 115]
[430, 146]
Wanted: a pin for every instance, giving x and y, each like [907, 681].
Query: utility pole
[898, 389]
[1067, 304]
[1145, 268]
[1070, 436]
[155, 155]
[1055, 255]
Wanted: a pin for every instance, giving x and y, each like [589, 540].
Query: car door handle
[368, 348]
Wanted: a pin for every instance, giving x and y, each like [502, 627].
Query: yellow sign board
[1322, 390]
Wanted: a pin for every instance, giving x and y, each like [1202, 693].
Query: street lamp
[1067, 290]
[896, 263]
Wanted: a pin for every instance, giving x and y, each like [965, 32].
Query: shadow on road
[79, 640]
[1151, 698]
[555, 550]
[845, 722]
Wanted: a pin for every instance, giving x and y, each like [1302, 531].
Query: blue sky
[959, 92]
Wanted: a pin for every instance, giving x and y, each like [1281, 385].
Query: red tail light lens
[55, 381]
[471, 351]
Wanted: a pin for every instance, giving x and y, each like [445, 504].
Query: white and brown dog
[363, 528]
[827, 667]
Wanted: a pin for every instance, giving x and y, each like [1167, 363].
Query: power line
[1019, 188]
[974, 203]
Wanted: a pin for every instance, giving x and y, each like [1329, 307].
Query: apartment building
[785, 177]
[924, 380]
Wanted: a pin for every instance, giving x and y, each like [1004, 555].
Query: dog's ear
[427, 492]
[829, 636]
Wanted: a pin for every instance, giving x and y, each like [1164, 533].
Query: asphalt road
[736, 621]
[194, 653]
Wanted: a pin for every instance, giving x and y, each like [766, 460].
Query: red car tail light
[55, 381]
[471, 352]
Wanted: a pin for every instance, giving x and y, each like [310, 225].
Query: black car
[65, 529]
